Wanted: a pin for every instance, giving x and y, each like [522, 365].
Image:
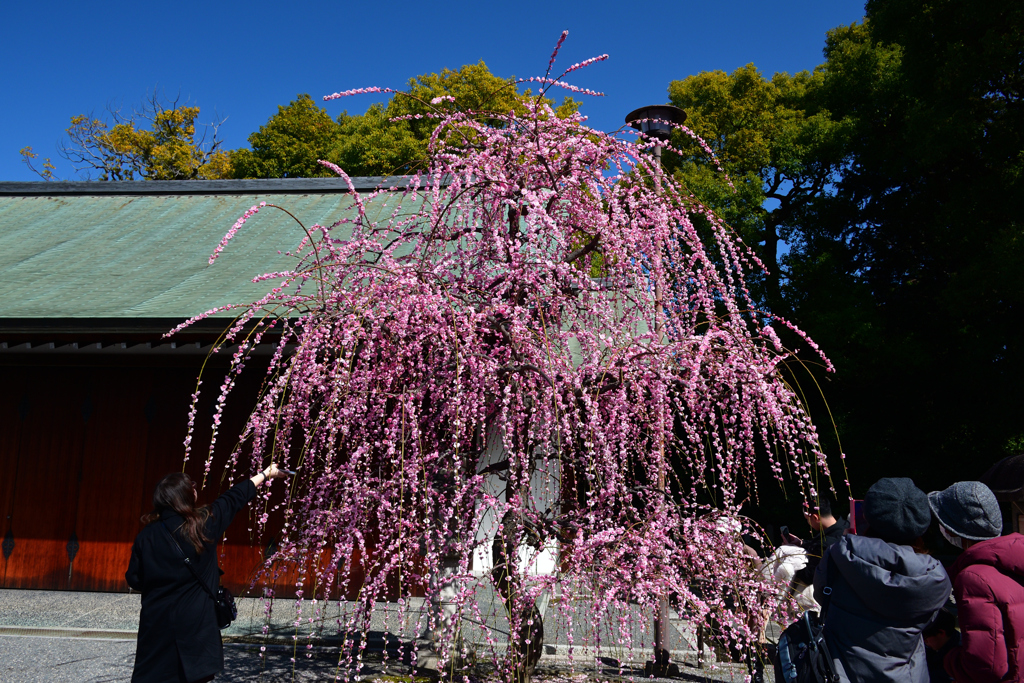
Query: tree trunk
[526, 624]
[770, 259]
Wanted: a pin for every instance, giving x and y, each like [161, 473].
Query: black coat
[178, 635]
[815, 547]
[883, 596]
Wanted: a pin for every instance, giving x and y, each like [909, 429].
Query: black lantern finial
[656, 120]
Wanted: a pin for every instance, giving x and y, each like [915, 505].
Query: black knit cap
[896, 510]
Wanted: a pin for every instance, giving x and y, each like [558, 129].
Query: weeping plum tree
[533, 332]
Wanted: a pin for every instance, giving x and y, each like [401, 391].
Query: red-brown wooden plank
[11, 397]
[132, 438]
[49, 456]
[113, 465]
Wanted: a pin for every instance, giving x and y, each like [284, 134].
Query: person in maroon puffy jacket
[988, 583]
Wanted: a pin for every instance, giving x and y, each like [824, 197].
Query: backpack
[802, 655]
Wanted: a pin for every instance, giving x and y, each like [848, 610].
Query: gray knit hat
[969, 509]
[896, 510]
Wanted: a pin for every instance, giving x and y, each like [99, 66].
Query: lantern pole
[656, 122]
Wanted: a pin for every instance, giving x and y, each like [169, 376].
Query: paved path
[65, 636]
[69, 613]
[31, 659]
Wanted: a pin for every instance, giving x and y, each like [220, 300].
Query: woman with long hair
[178, 635]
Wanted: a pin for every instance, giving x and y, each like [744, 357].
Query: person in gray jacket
[881, 593]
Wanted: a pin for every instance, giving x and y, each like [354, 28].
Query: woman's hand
[273, 473]
[266, 475]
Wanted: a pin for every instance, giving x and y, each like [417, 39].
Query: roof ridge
[199, 187]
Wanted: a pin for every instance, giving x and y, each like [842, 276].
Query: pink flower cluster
[554, 53]
[585, 63]
[567, 86]
[356, 91]
[253, 210]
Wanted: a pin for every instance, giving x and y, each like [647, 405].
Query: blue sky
[243, 59]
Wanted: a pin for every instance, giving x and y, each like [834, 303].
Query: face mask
[951, 537]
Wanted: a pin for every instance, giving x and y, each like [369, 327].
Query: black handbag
[223, 601]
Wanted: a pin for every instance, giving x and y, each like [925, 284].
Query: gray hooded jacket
[883, 595]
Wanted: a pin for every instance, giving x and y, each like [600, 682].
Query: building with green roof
[94, 400]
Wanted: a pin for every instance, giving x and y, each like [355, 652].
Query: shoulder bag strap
[188, 562]
[826, 592]
[830, 675]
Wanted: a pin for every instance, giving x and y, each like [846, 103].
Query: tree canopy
[156, 141]
[388, 139]
[925, 226]
[776, 144]
[896, 173]
[290, 143]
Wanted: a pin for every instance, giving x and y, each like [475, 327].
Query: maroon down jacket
[988, 582]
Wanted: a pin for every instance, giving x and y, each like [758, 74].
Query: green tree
[290, 143]
[374, 145]
[827, 286]
[388, 139]
[922, 239]
[777, 145]
[154, 142]
[894, 174]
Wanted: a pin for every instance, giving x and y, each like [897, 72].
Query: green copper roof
[132, 255]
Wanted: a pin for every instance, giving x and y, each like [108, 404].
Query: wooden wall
[81, 449]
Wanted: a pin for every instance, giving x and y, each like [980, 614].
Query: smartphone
[784, 533]
[858, 523]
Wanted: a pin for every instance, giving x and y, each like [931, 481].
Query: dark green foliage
[917, 256]
[904, 264]
[290, 144]
[919, 250]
